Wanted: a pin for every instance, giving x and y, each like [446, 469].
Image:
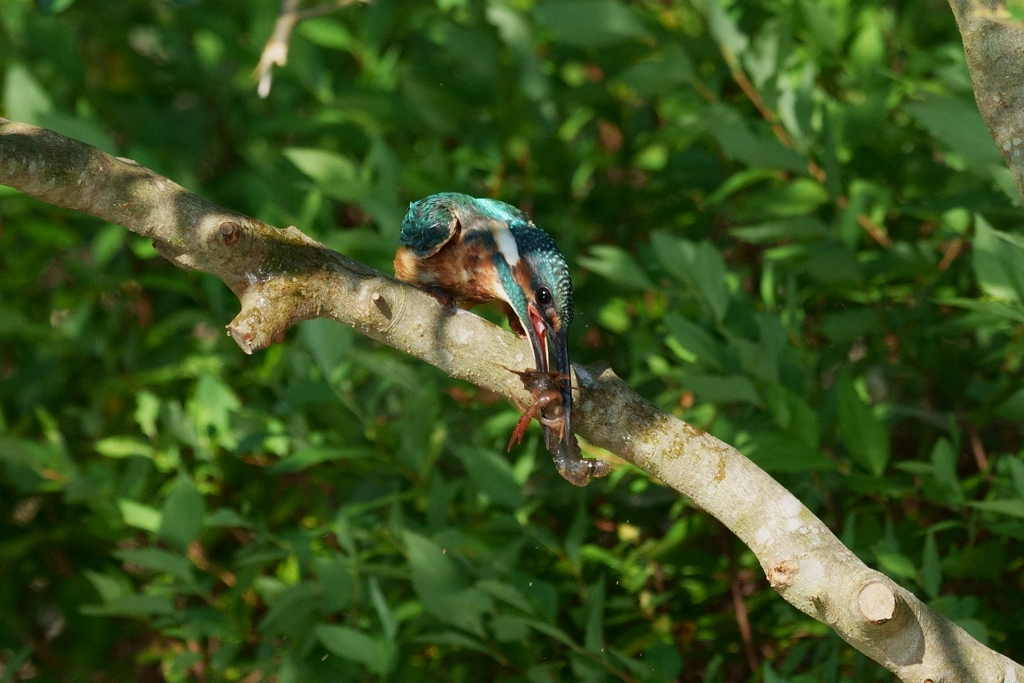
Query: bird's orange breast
[464, 270]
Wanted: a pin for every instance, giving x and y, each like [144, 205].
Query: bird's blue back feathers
[431, 222]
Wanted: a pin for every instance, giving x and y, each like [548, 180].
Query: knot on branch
[781, 575]
[386, 305]
[230, 238]
[230, 232]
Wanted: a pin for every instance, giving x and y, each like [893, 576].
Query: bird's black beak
[541, 334]
[560, 347]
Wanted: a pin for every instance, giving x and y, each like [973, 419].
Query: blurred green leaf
[211, 408]
[358, 647]
[992, 309]
[225, 517]
[384, 613]
[493, 475]
[616, 265]
[25, 99]
[327, 32]
[1013, 508]
[947, 483]
[824, 24]
[328, 341]
[699, 266]
[997, 263]
[505, 592]
[896, 564]
[442, 587]
[160, 561]
[337, 175]
[831, 263]
[931, 567]
[589, 23]
[1017, 474]
[959, 126]
[846, 325]
[775, 452]
[132, 606]
[336, 584]
[725, 29]
[140, 516]
[123, 447]
[800, 228]
[864, 434]
[182, 515]
[662, 662]
[695, 340]
[662, 73]
[756, 149]
[310, 457]
[292, 612]
[715, 389]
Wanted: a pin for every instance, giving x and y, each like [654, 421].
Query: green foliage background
[787, 225]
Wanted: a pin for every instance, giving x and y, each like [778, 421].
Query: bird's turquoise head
[539, 290]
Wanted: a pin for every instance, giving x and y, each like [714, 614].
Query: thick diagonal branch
[282, 276]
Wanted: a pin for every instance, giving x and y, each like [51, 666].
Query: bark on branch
[283, 276]
[994, 47]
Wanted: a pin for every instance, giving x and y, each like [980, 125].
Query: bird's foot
[513, 320]
[442, 296]
[516, 326]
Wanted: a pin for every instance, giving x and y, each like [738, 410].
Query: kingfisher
[469, 251]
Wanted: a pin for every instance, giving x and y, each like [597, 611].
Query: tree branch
[283, 276]
[995, 57]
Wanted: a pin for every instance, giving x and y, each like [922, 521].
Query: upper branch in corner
[994, 48]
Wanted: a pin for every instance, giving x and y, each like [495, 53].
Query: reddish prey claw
[547, 403]
[557, 422]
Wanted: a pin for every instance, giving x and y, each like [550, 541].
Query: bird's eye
[543, 296]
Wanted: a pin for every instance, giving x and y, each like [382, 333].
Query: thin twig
[742, 617]
[276, 49]
[738, 75]
[978, 449]
[950, 252]
[739, 605]
[876, 232]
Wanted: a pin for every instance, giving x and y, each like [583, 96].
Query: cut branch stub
[877, 603]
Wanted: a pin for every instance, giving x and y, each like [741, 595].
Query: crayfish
[549, 410]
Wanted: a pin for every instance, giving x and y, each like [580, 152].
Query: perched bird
[469, 251]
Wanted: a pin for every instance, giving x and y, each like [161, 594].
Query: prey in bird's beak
[559, 437]
[541, 334]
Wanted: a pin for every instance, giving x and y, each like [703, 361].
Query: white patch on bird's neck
[507, 245]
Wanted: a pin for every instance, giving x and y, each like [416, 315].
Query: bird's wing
[429, 224]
